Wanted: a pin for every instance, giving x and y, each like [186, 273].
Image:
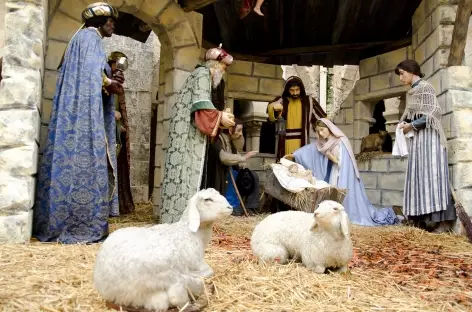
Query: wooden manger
[306, 200]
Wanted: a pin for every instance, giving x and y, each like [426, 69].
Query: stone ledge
[16, 228]
[21, 88]
[382, 94]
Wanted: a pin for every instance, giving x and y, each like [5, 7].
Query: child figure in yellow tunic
[296, 107]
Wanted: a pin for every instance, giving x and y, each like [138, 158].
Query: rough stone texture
[138, 93]
[343, 82]
[310, 75]
[20, 99]
[16, 228]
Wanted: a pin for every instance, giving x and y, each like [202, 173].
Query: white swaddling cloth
[291, 183]
[400, 148]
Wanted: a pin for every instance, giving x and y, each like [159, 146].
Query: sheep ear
[193, 216]
[345, 225]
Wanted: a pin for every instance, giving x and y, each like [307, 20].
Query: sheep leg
[203, 271]
[318, 268]
[343, 269]
[273, 252]
[178, 295]
[159, 301]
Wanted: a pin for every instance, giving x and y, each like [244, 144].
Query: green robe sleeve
[201, 95]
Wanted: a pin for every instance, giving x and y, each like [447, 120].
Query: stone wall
[343, 81]
[20, 104]
[138, 92]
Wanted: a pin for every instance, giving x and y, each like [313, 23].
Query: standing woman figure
[427, 199]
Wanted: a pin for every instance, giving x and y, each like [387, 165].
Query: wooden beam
[192, 5]
[459, 34]
[339, 47]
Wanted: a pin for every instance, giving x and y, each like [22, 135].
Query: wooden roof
[309, 32]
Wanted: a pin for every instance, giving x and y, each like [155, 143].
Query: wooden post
[459, 34]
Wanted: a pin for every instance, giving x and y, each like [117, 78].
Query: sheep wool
[152, 267]
[320, 240]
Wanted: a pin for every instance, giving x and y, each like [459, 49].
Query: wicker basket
[306, 200]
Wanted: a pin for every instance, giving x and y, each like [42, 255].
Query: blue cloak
[77, 185]
[356, 203]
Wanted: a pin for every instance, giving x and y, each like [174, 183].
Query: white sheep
[320, 240]
[153, 267]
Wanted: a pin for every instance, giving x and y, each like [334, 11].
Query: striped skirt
[426, 190]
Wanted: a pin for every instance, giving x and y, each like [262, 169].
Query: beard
[294, 96]
[216, 78]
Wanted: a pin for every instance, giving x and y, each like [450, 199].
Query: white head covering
[218, 54]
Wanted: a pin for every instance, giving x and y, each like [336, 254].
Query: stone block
[54, 54]
[186, 58]
[459, 150]
[182, 36]
[19, 161]
[425, 30]
[139, 173]
[240, 67]
[23, 36]
[17, 228]
[440, 58]
[159, 156]
[175, 79]
[369, 179]
[139, 125]
[444, 14]
[420, 53]
[144, 102]
[19, 127]
[458, 77]
[362, 86]
[380, 82]
[140, 194]
[419, 16]
[196, 21]
[392, 198]
[392, 181]
[463, 175]
[465, 197]
[171, 16]
[46, 110]
[264, 70]
[346, 129]
[156, 195]
[379, 165]
[72, 9]
[21, 88]
[435, 81]
[62, 27]
[368, 67]
[349, 115]
[361, 129]
[461, 125]
[389, 61]
[427, 68]
[50, 79]
[398, 165]
[271, 86]
[339, 118]
[446, 124]
[279, 72]
[16, 193]
[139, 152]
[441, 37]
[242, 84]
[149, 7]
[374, 196]
[458, 99]
[43, 138]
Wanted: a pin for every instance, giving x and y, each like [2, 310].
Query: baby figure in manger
[330, 158]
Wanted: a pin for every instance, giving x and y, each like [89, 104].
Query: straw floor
[394, 269]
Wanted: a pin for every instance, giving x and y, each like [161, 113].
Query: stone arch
[180, 37]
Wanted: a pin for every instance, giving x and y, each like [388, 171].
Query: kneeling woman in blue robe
[330, 158]
[77, 189]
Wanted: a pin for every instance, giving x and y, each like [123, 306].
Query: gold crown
[99, 9]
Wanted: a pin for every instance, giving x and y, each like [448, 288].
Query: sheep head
[207, 205]
[331, 216]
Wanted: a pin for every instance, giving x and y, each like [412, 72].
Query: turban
[218, 54]
[99, 9]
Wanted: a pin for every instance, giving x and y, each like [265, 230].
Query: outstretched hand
[118, 76]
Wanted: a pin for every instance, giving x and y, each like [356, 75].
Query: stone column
[253, 133]
[20, 102]
[392, 114]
